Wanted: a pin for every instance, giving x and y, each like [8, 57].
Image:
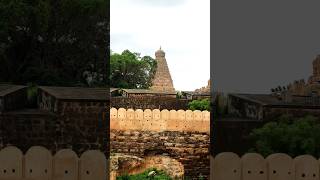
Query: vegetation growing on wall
[294, 136]
[179, 95]
[32, 92]
[201, 105]
[159, 175]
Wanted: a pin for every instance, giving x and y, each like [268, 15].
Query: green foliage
[54, 42]
[288, 135]
[32, 93]
[129, 70]
[201, 177]
[160, 175]
[201, 105]
[179, 95]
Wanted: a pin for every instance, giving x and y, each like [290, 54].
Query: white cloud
[181, 28]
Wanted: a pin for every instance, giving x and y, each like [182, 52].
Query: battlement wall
[183, 135]
[156, 120]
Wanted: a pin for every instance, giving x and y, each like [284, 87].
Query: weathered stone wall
[145, 95]
[299, 106]
[191, 149]
[83, 126]
[58, 124]
[231, 135]
[28, 128]
[245, 109]
[182, 135]
[46, 101]
[149, 103]
[1, 104]
[13, 100]
[273, 112]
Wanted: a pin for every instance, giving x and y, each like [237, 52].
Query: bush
[201, 105]
[294, 136]
[160, 175]
[32, 93]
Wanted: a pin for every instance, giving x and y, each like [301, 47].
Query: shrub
[294, 136]
[32, 93]
[201, 105]
[160, 175]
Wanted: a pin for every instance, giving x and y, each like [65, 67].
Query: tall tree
[129, 70]
[54, 42]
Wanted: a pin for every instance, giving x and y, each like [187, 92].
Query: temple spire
[162, 80]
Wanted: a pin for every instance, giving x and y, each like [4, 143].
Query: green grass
[160, 175]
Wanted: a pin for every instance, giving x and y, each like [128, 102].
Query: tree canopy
[54, 42]
[130, 70]
[294, 136]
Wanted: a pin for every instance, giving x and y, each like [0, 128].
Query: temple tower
[162, 80]
[315, 78]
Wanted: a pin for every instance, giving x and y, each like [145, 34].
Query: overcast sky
[260, 44]
[180, 27]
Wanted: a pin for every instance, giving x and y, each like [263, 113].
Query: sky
[260, 44]
[180, 27]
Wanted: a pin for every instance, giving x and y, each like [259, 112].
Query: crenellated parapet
[156, 120]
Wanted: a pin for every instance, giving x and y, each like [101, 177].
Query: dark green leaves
[201, 105]
[294, 136]
[54, 42]
[129, 70]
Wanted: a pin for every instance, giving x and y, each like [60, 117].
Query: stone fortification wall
[149, 103]
[181, 135]
[15, 99]
[58, 124]
[156, 120]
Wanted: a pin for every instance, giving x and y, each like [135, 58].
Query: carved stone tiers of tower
[162, 80]
[315, 78]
